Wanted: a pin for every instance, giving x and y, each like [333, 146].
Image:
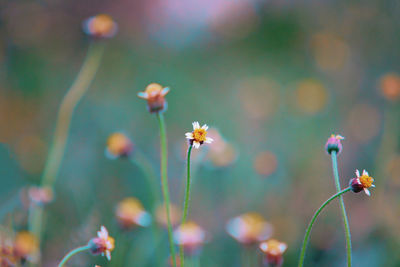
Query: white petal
[189, 135]
[282, 247]
[209, 140]
[196, 125]
[108, 255]
[165, 91]
[264, 246]
[365, 173]
[367, 192]
[339, 137]
[204, 127]
[143, 95]
[358, 173]
[372, 185]
[196, 144]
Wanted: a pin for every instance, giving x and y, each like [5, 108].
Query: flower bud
[273, 250]
[334, 144]
[118, 145]
[100, 26]
[155, 96]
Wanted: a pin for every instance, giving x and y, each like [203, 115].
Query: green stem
[342, 208]
[72, 253]
[308, 231]
[67, 107]
[186, 202]
[164, 183]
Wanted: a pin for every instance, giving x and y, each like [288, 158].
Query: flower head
[26, 245]
[40, 195]
[155, 96]
[161, 216]
[273, 250]
[249, 228]
[334, 144]
[361, 182]
[100, 26]
[102, 244]
[199, 135]
[130, 212]
[118, 145]
[190, 235]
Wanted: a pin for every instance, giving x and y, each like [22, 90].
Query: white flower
[199, 135]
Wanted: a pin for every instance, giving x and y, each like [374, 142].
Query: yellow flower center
[199, 135]
[273, 247]
[111, 243]
[102, 24]
[366, 181]
[153, 89]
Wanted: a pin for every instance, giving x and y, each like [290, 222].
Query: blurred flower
[118, 145]
[161, 217]
[334, 144]
[390, 86]
[102, 244]
[26, 245]
[249, 228]
[199, 135]
[362, 182]
[259, 97]
[7, 253]
[100, 26]
[154, 94]
[191, 236]
[363, 122]
[273, 250]
[40, 195]
[265, 163]
[130, 212]
[221, 153]
[310, 96]
[330, 52]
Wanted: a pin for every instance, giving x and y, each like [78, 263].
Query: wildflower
[191, 236]
[100, 26]
[154, 94]
[334, 144]
[26, 245]
[273, 250]
[390, 86]
[130, 212]
[102, 244]
[362, 182]
[118, 145]
[161, 216]
[199, 135]
[249, 228]
[40, 195]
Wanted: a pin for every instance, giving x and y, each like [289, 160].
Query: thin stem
[342, 208]
[72, 253]
[164, 183]
[67, 107]
[186, 202]
[308, 231]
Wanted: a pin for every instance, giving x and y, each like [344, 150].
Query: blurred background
[272, 78]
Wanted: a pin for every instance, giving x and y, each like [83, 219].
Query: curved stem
[342, 208]
[308, 231]
[67, 107]
[186, 201]
[164, 183]
[72, 253]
